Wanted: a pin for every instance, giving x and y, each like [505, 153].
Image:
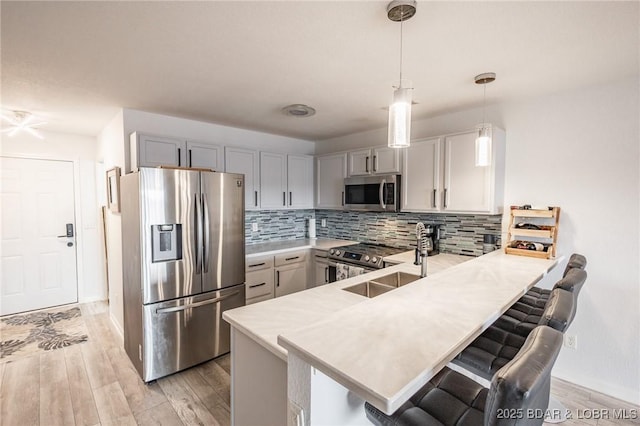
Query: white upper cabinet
[205, 156]
[382, 160]
[468, 188]
[286, 181]
[440, 175]
[330, 173]
[246, 162]
[300, 181]
[273, 180]
[421, 183]
[153, 151]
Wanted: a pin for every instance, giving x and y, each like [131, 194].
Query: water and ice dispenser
[166, 242]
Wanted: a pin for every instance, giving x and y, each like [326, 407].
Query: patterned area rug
[27, 334]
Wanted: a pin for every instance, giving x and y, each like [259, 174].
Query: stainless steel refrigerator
[183, 261]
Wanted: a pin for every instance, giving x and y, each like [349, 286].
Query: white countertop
[264, 321]
[277, 247]
[386, 348]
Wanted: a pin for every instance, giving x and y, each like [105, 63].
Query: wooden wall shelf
[548, 219]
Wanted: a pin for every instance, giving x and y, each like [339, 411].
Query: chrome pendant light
[400, 108]
[484, 136]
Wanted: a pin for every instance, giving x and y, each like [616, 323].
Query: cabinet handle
[434, 198]
[291, 258]
[284, 198]
[444, 199]
[290, 198]
[179, 155]
[375, 163]
[190, 159]
[277, 278]
[366, 165]
[343, 198]
[326, 274]
[255, 193]
[256, 264]
[257, 285]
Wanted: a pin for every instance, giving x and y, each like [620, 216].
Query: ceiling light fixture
[298, 110]
[22, 120]
[483, 139]
[400, 108]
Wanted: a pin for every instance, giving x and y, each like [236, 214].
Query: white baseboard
[119, 330]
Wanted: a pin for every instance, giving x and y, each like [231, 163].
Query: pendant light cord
[484, 103]
[401, 20]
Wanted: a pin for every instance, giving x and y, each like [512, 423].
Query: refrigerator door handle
[206, 232]
[195, 305]
[198, 236]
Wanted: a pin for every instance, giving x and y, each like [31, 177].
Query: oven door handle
[381, 194]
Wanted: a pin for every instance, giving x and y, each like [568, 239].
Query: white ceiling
[238, 63]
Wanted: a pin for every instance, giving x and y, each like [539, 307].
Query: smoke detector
[298, 110]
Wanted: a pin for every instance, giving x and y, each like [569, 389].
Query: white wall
[578, 150]
[81, 150]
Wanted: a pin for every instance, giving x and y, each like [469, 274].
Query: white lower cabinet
[321, 267]
[291, 272]
[259, 279]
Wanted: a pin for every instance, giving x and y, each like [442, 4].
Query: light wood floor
[94, 383]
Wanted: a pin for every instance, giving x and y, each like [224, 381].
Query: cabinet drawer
[258, 263]
[259, 283]
[291, 257]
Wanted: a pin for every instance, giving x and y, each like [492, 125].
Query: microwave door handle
[198, 233]
[383, 185]
[206, 234]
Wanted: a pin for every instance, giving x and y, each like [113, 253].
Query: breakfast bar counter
[381, 349]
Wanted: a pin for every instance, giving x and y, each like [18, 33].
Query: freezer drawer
[181, 333]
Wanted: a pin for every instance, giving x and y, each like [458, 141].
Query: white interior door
[37, 259]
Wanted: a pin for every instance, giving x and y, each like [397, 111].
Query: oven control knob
[332, 251]
[338, 252]
[374, 259]
[366, 258]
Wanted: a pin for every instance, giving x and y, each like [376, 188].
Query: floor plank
[218, 378]
[20, 393]
[97, 363]
[224, 361]
[84, 405]
[185, 402]
[55, 398]
[162, 415]
[112, 406]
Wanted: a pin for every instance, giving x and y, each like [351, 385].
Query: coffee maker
[433, 238]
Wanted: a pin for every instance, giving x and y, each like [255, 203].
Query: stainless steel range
[366, 256]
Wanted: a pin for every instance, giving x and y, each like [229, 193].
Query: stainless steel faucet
[421, 248]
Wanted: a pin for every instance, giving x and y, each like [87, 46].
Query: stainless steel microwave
[372, 193]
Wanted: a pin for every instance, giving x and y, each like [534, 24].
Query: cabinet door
[321, 273]
[421, 178]
[360, 162]
[273, 181]
[300, 181]
[466, 187]
[153, 151]
[291, 278]
[245, 161]
[331, 171]
[386, 160]
[202, 155]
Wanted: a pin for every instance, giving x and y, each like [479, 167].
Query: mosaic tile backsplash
[463, 234]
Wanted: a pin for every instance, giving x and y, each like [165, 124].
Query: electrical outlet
[323, 223]
[254, 227]
[571, 341]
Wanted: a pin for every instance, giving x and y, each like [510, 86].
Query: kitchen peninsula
[382, 349]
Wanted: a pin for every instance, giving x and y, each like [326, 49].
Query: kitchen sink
[369, 289]
[397, 279]
[382, 284]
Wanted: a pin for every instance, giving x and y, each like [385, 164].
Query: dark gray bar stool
[519, 392]
[538, 296]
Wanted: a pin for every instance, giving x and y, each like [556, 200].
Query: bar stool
[538, 296]
[519, 392]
